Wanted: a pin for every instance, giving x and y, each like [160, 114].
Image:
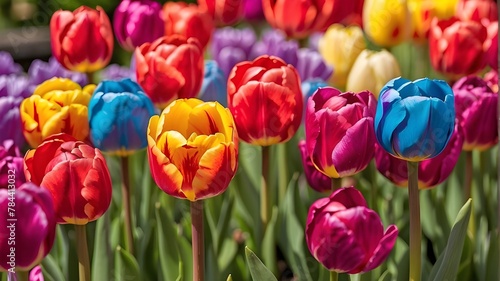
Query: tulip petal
[383, 249]
[349, 197]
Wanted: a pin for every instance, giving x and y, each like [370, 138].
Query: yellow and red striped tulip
[193, 149]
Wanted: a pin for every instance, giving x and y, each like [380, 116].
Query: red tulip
[81, 40]
[76, 176]
[492, 45]
[456, 47]
[170, 68]
[477, 10]
[265, 99]
[188, 20]
[223, 12]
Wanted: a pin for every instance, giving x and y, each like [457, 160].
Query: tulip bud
[317, 180]
[58, 105]
[223, 12]
[345, 236]
[193, 149]
[415, 119]
[28, 226]
[341, 56]
[371, 71]
[136, 22]
[119, 113]
[310, 65]
[81, 40]
[76, 175]
[476, 107]
[339, 131]
[214, 87]
[271, 88]
[11, 165]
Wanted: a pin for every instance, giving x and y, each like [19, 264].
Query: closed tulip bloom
[476, 107]
[274, 43]
[341, 56]
[188, 20]
[339, 131]
[193, 149]
[456, 47]
[310, 65]
[415, 119]
[371, 71]
[317, 180]
[265, 99]
[387, 22]
[345, 236]
[431, 172]
[223, 12]
[81, 40]
[58, 105]
[132, 18]
[40, 71]
[13, 90]
[76, 175]
[477, 10]
[7, 65]
[170, 68]
[214, 87]
[34, 229]
[11, 165]
[119, 113]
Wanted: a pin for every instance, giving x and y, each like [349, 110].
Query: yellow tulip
[423, 11]
[339, 47]
[193, 149]
[445, 9]
[371, 71]
[387, 22]
[57, 105]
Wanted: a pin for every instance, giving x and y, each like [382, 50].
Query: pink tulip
[345, 236]
[339, 131]
[491, 78]
[317, 180]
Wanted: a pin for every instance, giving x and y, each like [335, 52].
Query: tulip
[422, 13]
[76, 175]
[119, 113]
[13, 89]
[223, 12]
[477, 10]
[387, 22]
[193, 149]
[317, 180]
[476, 109]
[341, 56]
[11, 165]
[231, 46]
[271, 88]
[132, 18]
[310, 65]
[431, 172]
[274, 43]
[252, 9]
[415, 119]
[58, 105]
[36, 274]
[345, 236]
[117, 72]
[491, 45]
[41, 71]
[445, 9]
[491, 78]
[310, 86]
[339, 131]
[371, 71]
[32, 224]
[214, 87]
[170, 68]
[456, 47]
[8, 66]
[188, 20]
[81, 40]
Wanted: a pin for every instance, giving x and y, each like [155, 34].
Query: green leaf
[269, 243]
[258, 270]
[446, 267]
[167, 242]
[102, 252]
[51, 270]
[126, 267]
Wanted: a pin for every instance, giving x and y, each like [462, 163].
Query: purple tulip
[314, 40]
[11, 165]
[8, 66]
[476, 110]
[40, 71]
[36, 274]
[116, 72]
[339, 131]
[345, 236]
[310, 65]
[231, 46]
[13, 89]
[317, 180]
[252, 9]
[431, 172]
[136, 22]
[34, 228]
[274, 43]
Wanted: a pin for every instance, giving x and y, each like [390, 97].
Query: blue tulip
[214, 86]
[415, 119]
[119, 113]
[311, 85]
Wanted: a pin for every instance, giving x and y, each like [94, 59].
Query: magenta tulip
[476, 110]
[345, 236]
[339, 131]
[11, 165]
[317, 180]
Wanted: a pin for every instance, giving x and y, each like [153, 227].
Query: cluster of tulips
[311, 81]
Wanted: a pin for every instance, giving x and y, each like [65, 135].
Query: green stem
[336, 183]
[415, 228]
[82, 252]
[22, 275]
[126, 204]
[468, 175]
[265, 193]
[90, 77]
[373, 186]
[334, 276]
[197, 238]
[282, 171]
